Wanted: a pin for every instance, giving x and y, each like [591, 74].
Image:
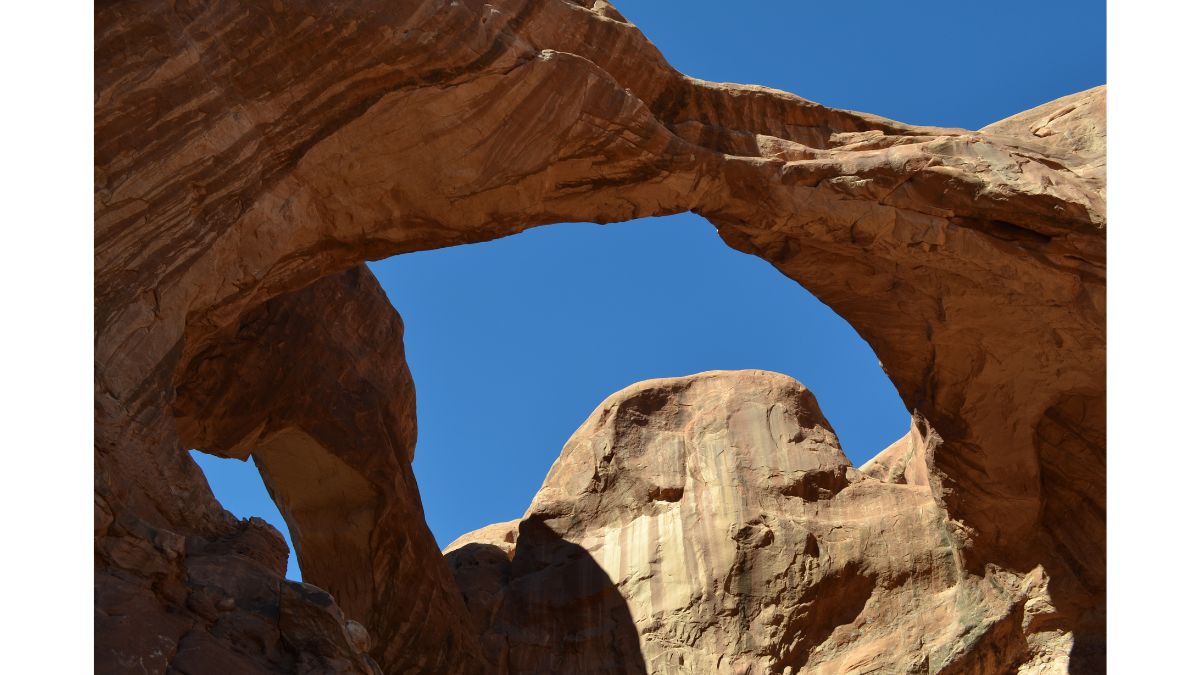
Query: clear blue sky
[513, 343]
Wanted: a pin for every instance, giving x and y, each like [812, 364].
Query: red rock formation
[713, 524]
[246, 150]
[314, 386]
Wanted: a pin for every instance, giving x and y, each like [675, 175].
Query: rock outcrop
[247, 151]
[312, 386]
[711, 524]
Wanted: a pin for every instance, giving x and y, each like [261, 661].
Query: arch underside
[239, 188]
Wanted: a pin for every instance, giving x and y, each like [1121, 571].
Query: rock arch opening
[662, 297]
[238, 485]
[325, 509]
[234, 196]
[685, 303]
[512, 344]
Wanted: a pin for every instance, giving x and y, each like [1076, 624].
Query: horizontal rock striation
[246, 151]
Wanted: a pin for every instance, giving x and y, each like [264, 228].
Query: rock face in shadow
[246, 151]
[545, 605]
[314, 387]
[720, 507]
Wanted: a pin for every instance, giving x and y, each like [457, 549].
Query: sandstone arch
[313, 385]
[233, 171]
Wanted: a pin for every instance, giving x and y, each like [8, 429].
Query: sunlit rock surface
[711, 524]
[246, 151]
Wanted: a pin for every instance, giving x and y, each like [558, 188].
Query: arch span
[229, 176]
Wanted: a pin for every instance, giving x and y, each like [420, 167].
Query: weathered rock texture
[247, 150]
[313, 385]
[711, 524]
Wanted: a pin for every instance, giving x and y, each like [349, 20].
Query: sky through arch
[512, 344]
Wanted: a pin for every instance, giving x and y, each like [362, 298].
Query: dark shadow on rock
[1070, 440]
[560, 612]
[1089, 653]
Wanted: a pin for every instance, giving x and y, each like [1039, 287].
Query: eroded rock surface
[711, 524]
[312, 386]
[245, 151]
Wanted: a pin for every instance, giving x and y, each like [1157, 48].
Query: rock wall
[313, 387]
[245, 151]
[711, 524]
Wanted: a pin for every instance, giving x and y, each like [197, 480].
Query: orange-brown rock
[906, 461]
[313, 386]
[247, 150]
[711, 524]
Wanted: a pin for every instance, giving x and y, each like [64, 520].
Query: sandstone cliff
[250, 156]
[711, 524]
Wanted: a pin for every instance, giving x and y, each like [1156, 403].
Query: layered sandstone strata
[248, 152]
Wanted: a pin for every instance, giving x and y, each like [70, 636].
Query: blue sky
[513, 343]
